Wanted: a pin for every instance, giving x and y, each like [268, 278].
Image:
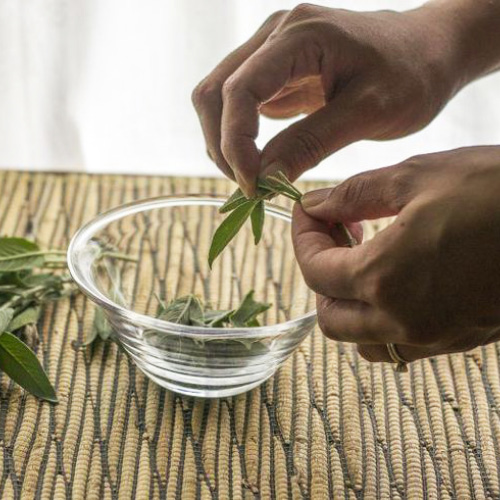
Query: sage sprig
[241, 208]
[28, 281]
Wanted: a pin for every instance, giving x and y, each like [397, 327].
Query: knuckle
[311, 279]
[304, 10]
[275, 18]
[310, 148]
[324, 317]
[231, 86]
[325, 326]
[414, 162]
[204, 93]
[352, 190]
[376, 101]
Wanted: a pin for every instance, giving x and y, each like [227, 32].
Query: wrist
[467, 36]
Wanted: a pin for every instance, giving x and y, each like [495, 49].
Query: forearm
[472, 31]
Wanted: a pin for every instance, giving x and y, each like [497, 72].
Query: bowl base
[203, 391]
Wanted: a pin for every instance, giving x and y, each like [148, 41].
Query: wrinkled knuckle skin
[311, 280]
[352, 190]
[414, 162]
[275, 18]
[304, 11]
[205, 93]
[231, 87]
[310, 148]
[401, 186]
[325, 324]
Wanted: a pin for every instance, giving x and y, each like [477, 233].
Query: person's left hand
[430, 282]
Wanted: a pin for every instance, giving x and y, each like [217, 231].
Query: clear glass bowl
[170, 237]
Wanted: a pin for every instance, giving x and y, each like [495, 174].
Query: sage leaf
[27, 317]
[217, 319]
[248, 311]
[18, 253]
[6, 316]
[229, 229]
[100, 328]
[20, 363]
[280, 183]
[183, 310]
[257, 217]
[234, 201]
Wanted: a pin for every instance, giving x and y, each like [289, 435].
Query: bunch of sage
[241, 208]
[28, 281]
[190, 310]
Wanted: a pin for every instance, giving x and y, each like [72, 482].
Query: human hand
[430, 282]
[377, 75]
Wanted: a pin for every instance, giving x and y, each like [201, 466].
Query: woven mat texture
[327, 425]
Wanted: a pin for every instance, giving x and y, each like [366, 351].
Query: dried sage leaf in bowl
[190, 310]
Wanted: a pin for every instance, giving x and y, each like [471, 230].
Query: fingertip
[247, 186]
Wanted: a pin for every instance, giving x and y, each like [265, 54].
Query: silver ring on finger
[401, 363]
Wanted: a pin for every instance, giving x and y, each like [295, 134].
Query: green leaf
[234, 201]
[248, 311]
[229, 229]
[279, 183]
[217, 319]
[257, 217]
[46, 279]
[28, 316]
[6, 316]
[20, 363]
[101, 324]
[100, 328]
[183, 310]
[18, 253]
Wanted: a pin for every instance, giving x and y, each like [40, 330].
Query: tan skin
[430, 282]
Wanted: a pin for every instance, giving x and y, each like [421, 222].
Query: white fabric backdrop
[104, 86]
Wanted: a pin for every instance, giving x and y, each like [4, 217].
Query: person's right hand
[378, 75]
[429, 282]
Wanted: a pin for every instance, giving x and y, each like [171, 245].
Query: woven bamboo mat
[328, 425]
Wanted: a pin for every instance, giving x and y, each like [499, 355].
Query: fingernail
[314, 198]
[247, 188]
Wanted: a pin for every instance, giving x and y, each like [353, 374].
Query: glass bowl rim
[85, 233]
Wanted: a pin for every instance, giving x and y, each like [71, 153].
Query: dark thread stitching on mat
[477, 450]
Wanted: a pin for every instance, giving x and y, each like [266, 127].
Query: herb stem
[119, 256]
[25, 255]
[28, 293]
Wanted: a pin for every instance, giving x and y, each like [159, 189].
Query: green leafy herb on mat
[241, 208]
[25, 288]
[190, 310]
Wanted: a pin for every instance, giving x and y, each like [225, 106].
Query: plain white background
[104, 86]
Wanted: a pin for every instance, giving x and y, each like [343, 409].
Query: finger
[307, 142]
[379, 353]
[293, 104]
[207, 96]
[355, 230]
[370, 195]
[353, 321]
[259, 79]
[327, 268]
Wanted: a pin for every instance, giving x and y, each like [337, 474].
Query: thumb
[369, 195]
[307, 142]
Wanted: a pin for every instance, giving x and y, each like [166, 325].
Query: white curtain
[104, 86]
